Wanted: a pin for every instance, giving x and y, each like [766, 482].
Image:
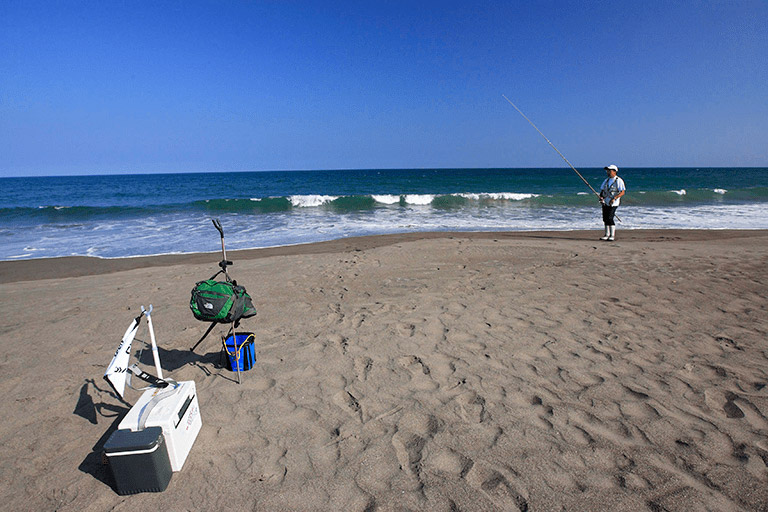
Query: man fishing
[610, 192]
[610, 196]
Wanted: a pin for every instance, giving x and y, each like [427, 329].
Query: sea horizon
[354, 169]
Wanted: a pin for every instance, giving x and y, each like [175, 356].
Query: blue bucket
[242, 343]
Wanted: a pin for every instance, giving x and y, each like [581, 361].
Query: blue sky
[114, 87]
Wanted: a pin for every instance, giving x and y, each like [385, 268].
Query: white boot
[612, 234]
[607, 233]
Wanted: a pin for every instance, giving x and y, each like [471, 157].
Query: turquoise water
[131, 215]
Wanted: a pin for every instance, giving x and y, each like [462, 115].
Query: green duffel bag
[220, 301]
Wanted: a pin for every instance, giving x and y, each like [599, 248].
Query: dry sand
[484, 371]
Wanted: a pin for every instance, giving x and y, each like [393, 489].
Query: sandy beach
[539, 371]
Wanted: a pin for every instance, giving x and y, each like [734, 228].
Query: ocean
[147, 214]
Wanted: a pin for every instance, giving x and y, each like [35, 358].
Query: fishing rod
[558, 151]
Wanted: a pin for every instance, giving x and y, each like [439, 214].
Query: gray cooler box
[178, 415]
[139, 460]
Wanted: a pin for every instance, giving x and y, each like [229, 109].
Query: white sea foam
[498, 196]
[386, 199]
[680, 192]
[419, 199]
[720, 191]
[260, 199]
[311, 200]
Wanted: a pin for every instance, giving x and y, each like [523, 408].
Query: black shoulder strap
[146, 377]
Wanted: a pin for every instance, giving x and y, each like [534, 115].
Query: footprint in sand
[408, 447]
[497, 488]
[727, 343]
[414, 430]
[405, 330]
[340, 342]
[543, 412]
[335, 315]
[448, 463]
[735, 406]
[591, 428]
[349, 403]
[414, 363]
[420, 373]
[363, 365]
[723, 402]
[471, 407]
[274, 468]
[424, 425]
[262, 384]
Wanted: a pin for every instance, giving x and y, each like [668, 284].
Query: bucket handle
[238, 347]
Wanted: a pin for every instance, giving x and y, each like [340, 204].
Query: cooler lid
[129, 440]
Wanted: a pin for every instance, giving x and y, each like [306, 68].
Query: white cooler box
[177, 414]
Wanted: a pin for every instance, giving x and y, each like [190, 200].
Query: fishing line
[558, 151]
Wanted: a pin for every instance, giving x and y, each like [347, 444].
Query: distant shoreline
[77, 266]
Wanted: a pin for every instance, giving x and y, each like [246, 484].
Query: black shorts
[608, 213]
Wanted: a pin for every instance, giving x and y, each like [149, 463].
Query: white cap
[611, 168]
